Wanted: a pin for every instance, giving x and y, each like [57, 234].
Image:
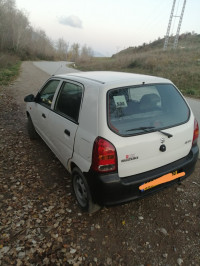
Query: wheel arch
[82, 188]
[27, 114]
[72, 166]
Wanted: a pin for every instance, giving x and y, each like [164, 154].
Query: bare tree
[18, 36]
[86, 52]
[62, 48]
[42, 45]
[73, 54]
[7, 9]
[20, 26]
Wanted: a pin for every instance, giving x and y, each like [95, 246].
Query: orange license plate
[161, 180]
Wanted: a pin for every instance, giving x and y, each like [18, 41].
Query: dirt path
[40, 223]
[30, 80]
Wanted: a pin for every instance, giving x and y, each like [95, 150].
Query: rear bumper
[110, 189]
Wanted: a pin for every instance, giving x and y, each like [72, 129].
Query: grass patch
[181, 66]
[9, 73]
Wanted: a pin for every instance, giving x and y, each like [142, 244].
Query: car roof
[109, 77]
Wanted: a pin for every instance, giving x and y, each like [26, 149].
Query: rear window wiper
[151, 129]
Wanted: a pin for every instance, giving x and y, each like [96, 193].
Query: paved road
[195, 105]
[52, 68]
[61, 67]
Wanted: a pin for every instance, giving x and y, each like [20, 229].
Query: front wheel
[82, 192]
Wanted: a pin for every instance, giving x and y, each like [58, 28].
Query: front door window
[45, 97]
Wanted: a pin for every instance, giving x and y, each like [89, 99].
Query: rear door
[153, 127]
[63, 121]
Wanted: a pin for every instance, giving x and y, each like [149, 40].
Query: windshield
[138, 110]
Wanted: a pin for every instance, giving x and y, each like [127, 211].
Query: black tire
[82, 192]
[31, 129]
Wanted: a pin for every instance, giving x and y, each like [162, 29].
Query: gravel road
[40, 223]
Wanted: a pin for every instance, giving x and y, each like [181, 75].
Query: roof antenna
[57, 70]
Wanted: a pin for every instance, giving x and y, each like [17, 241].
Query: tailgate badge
[129, 157]
[162, 140]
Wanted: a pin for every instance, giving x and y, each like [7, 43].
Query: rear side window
[137, 110]
[69, 100]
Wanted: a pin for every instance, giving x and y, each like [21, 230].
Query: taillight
[196, 132]
[104, 157]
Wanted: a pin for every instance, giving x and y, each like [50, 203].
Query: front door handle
[43, 115]
[67, 132]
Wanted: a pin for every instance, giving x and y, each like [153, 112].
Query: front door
[43, 106]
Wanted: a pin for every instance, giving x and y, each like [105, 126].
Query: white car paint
[77, 148]
[195, 106]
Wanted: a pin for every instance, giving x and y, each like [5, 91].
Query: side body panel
[88, 127]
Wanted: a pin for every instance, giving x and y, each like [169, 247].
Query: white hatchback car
[121, 136]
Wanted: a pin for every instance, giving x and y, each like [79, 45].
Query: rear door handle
[67, 132]
[43, 115]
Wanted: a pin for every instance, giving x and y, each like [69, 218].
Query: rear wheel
[31, 129]
[82, 192]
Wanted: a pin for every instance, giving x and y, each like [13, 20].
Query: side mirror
[29, 98]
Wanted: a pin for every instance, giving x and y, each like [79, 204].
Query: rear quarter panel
[88, 127]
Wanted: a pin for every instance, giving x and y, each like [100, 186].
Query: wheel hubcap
[80, 191]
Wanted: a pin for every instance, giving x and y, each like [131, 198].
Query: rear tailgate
[142, 153]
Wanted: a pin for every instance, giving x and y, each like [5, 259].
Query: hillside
[186, 40]
[182, 65]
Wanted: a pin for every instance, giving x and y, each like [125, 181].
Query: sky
[108, 26]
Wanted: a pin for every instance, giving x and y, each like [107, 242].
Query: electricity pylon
[169, 26]
[179, 25]
[170, 23]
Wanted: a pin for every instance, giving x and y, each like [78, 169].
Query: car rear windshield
[137, 110]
